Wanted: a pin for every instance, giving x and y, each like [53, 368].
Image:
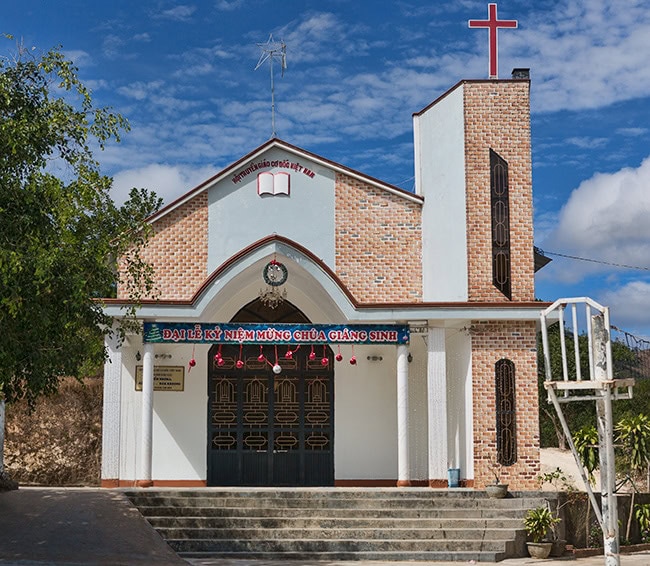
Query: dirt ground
[552, 458]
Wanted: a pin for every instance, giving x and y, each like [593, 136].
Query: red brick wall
[516, 341]
[178, 250]
[497, 116]
[378, 243]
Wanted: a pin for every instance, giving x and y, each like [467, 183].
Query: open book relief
[273, 183]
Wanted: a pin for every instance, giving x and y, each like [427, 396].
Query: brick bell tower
[473, 166]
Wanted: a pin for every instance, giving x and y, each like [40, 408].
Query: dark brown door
[267, 429]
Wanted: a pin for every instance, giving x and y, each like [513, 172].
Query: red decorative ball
[192, 362]
[324, 362]
[289, 355]
[353, 361]
[339, 357]
[239, 364]
[217, 357]
[220, 362]
[261, 358]
[312, 356]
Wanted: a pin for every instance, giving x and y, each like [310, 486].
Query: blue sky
[183, 74]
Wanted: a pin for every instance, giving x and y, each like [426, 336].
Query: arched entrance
[267, 429]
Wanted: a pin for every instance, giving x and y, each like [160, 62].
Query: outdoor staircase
[401, 524]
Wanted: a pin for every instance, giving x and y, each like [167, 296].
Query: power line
[595, 260]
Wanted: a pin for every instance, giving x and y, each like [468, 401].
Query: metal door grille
[268, 429]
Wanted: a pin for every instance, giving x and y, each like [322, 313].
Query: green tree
[586, 442]
[633, 434]
[580, 414]
[60, 231]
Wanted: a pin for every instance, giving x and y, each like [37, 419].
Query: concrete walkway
[69, 527]
[638, 559]
[77, 526]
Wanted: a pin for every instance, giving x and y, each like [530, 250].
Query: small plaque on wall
[165, 378]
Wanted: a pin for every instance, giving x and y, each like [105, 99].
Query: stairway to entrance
[400, 524]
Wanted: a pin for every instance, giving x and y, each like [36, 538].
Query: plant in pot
[537, 522]
[558, 480]
[496, 490]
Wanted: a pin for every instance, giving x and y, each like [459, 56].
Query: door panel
[268, 429]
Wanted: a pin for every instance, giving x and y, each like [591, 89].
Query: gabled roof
[301, 153]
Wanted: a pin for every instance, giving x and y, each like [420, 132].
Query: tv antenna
[270, 50]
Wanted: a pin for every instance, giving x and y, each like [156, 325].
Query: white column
[403, 472]
[437, 407]
[111, 418]
[146, 448]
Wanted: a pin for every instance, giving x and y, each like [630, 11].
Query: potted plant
[560, 484]
[496, 490]
[537, 522]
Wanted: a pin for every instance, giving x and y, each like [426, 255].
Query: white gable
[242, 208]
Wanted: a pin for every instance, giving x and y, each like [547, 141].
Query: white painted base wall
[365, 414]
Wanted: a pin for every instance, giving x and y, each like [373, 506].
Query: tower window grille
[506, 413]
[501, 267]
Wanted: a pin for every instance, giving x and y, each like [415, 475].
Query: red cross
[493, 25]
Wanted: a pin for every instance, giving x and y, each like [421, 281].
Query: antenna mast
[270, 50]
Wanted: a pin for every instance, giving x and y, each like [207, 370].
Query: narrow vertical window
[506, 412]
[501, 278]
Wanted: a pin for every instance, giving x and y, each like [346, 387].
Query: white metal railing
[600, 387]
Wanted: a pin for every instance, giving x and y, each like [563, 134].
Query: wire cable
[595, 260]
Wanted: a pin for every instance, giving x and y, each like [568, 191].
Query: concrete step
[378, 513]
[338, 524]
[297, 557]
[169, 522]
[341, 545]
[329, 503]
[336, 533]
[310, 493]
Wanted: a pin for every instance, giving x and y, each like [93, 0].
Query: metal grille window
[501, 278]
[506, 412]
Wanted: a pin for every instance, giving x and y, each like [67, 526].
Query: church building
[315, 326]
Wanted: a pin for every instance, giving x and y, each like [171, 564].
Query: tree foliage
[580, 414]
[60, 231]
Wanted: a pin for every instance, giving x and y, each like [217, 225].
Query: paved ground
[77, 526]
[639, 559]
[72, 527]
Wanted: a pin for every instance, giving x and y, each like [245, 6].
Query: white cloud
[179, 13]
[585, 53]
[79, 57]
[140, 90]
[629, 305]
[606, 218]
[111, 46]
[168, 182]
[587, 143]
[632, 132]
[229, 5]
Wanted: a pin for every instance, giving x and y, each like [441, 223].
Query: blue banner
[244, 333]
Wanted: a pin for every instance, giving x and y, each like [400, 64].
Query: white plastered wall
[238, 216]
[365, 415]
[459, 402]
[179, 418]
[440, 177]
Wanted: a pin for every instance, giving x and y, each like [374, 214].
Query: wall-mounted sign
[165, 378]
[274, 164]
[229, 333]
